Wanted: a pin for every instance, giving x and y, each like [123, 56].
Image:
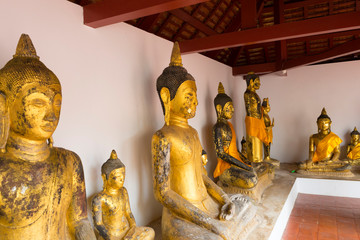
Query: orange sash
[326, 146]
[355, 153]
[256, 128]
[231, 150]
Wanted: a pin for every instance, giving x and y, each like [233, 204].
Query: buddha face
[228, 110]
[116, 178]
[36, 110]
[256, 83]
[355, 138]
[324, 124]
[185, 101]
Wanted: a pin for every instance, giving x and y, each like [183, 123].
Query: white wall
[108, 80]
[297, 100]
[109, 99]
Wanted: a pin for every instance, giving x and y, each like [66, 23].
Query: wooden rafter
[193, 21]
[309, 27]
[348, 48]
[108, 12]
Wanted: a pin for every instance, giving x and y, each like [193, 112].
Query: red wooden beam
[248, 14]
[108, 12]
[338, 51]
[309, 27]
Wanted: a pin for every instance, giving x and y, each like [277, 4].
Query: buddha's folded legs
[174, 227]
[238, 177]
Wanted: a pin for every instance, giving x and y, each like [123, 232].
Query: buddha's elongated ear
[218, 110]
[4, 122]
[165, 98]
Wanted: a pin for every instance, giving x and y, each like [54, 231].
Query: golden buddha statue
[231, 167]
[193, 205]
[255, 128]
[42, 188]
[112, 215]
[268, 127]
[324, 150]
[353, 149]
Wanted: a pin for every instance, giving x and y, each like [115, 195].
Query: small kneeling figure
[112, 215]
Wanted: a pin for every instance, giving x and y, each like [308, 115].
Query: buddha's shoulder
[168, 132]
[66, 155]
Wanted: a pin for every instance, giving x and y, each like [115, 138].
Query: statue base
[273, 161]
[314, 172]
[255, 193]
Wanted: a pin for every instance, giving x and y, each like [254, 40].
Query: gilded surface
[253, 110]
[353, 149]
[112, 215]
[42, 189]
[231, 167]
[194, 206]
[324, 149]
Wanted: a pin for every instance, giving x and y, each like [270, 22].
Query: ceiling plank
[192, 21]
[348, 48]
[309, 27]
[108, 12]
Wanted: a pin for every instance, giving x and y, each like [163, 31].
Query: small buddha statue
[231, 167]
[112, 215]
[243, 147]
[42, 188]
[268, 127]
[353, 149]
[324, 149]
[193, 205]
[256, 133]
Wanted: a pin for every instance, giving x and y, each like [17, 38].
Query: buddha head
[223, 104]
[113, 172]
[30, 95]
[177, 89]
[355, 136]
[266, 106]
[252, 81]
[324, 122]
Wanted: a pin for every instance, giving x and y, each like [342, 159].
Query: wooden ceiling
[248, 35]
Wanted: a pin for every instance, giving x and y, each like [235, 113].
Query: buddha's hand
[227, 211]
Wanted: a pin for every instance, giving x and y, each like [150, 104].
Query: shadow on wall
[146, 204]
[207, 138]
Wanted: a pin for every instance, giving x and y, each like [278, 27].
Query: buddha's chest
[28, 191]
[226, 135]
[185, 149]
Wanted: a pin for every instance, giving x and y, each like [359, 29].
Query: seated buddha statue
[268, 128]
[324, 149]
[231, 167]
[256, 133]
[113, 219]
[42, 188]
[353, 149]
[194, 207]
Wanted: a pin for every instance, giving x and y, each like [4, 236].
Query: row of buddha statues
[42, 187]
[324, 151]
